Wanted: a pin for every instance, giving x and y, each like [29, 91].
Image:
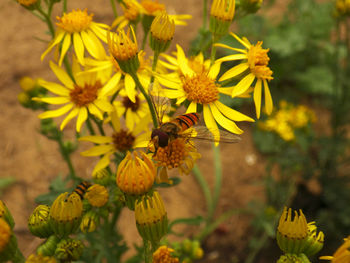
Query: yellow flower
[27, 3]
[223, 9]
[179, 153]
[136, 173]
[255, 67]
[163, 255]
[342, 255]
[121, 140]
[33, 258]
[5, 234]
[79, 28]
[132, 10]
[97, 195]
[152, 8]
[80, 97]
[162, 32]
[198, 86]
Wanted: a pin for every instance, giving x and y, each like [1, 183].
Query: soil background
[35, 161]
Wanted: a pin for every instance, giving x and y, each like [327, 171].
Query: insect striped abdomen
[187, 120]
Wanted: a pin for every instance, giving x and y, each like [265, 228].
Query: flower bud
[97, 195]
[162, 32]
[48, 247]
[136, 173]
[29, 4]
[27, 84]
[314, 242]
[163, 255]
[6, 215]
[101, 177]
[39, 223]
[293, 258]
[65, 214]
[124, 50]
[8, 242]
[250, 6]
[69, 250]
[89, 222]
[292, 234]
[221, 15]
[151, 217]
[39, 258]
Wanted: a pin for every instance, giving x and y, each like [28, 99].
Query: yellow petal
[62, 75]
[100, 32]
[96, 139]
[55, 113]
[268, 98]
[65, 46]
[244, 43]
[130, 87]
[214, 70]
[102, 163]
[93, 44]
[142, 140]
[70, 116]
[79, 48]
[210, 123]
[235, 71]
[232, 57]
[53, 100]
[111, 85]
[169, 81]
[192, 107]
[82, 116]
[223, 121]
[54, 88]
[183, 62]
[173, 94]
[231, 113]
[231, 48]
[257, 97]
[58, 38]
[130, 119]
[104, 105]
[98, 150]
[115, 121]
[243, 85]
[95, 111]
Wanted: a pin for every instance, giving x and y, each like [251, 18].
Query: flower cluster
[287, 119]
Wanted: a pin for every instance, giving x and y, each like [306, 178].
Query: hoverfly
[184, 126]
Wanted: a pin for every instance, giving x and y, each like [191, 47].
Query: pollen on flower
[75, 21]
[128, 104]
[82, 96]
[123, 140]
[179, 153]
[163, 255]
[200, 89]
[258, 61]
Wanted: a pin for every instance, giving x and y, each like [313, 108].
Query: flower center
[75, 21]
[123, 140]
[173, 155]
[200, 89]
[152, 7]
[128, 104]
[82, 96]
[258, 61]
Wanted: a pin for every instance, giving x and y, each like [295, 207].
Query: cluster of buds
[190, 250]
[297, 238]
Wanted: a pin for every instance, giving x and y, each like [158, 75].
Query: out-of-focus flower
[254, 66]
[5, 234]
[250, 6]
[6, 215]
[342, 254]
[39, 258]
[292, 233]
[97, 195]
[163, 255]
[221, 15]
[136, 173]
[89, 222]
[79, 28]
[65, 213]
[342, 8]
[27, 3]
[121, 140]
[162, 32]
[151, 217]
[8, 244]
[81, 96]
[179, 153]
[38, 222]
[69, 250]
[199, 87]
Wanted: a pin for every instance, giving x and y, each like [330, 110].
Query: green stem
[150, 104]
[260, 243]
[148, 251]
[205, 14]
[64, 9]
[154, 64]
[205, 188]
[114, 8]
[48, 21]
[144, 40]
[215, 39]
[66, 157]
[98, 124]
[90, 128]
[218, 180]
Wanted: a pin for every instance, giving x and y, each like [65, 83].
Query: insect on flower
[81, 189]
[183, 126]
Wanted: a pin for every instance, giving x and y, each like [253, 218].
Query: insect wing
[160, 103]
[203, 133]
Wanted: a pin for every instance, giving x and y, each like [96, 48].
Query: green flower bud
[39, 223]
[6, 215]
[89, 222]
[69, 250]
[48, 247]
[162, 32]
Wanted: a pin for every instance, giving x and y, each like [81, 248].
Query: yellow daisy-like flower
[255, 65]
[133, 112]
[132, 10]
[163, 255]
[80, 97]
[152, 8]
[342, 255]
[121, 140]
[79, 28]
[198, 85]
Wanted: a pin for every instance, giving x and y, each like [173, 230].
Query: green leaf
[57, 186]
